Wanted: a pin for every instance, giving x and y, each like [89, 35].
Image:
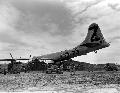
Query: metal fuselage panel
[67, 54]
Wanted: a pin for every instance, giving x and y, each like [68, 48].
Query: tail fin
[94, 37]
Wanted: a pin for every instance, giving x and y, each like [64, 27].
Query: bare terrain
[81, 82]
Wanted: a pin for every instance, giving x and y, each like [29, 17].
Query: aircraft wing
[13, 59]
[46, 58]
[6, 59]
[22, 59]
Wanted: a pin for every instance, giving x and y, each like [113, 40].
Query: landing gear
[72, 69]
[54, 68]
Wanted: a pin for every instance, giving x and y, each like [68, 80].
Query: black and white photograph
[60, 46]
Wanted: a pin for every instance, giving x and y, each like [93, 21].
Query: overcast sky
[39, 27]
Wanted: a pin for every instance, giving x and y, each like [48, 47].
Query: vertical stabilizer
[94, 37]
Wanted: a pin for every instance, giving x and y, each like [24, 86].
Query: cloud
[39, 27]
[115, 5]
[83, 11]
[115, 38]
[104, 13]
[10, 38]
[28, 27]
[39, 17]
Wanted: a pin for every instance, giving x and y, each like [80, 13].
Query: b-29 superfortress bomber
[93, 42]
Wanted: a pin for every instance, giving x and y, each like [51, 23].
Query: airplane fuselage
[68, 54]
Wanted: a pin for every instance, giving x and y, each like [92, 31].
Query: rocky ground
[81, 82]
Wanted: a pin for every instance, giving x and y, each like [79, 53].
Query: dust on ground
[81, 82]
